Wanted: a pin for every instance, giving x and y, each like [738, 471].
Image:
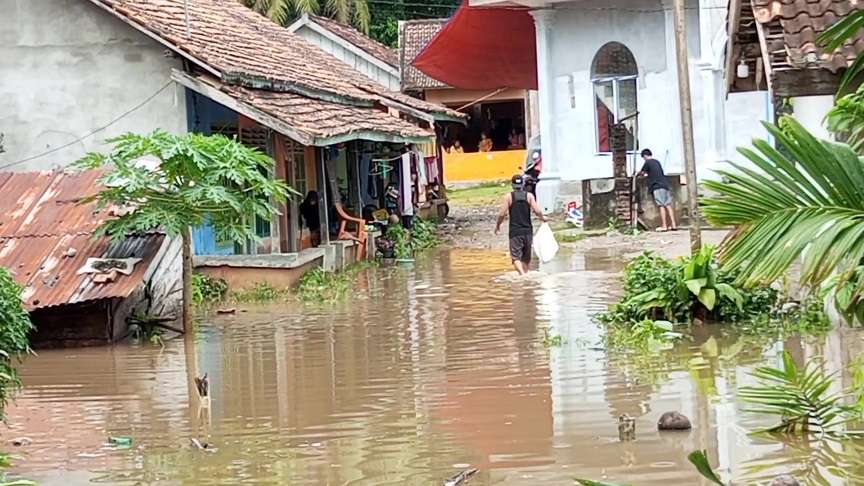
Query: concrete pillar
[550, 179]
[676, 146]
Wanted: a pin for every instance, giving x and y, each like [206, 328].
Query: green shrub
[206, 289]
[15, 327]
[685, 289]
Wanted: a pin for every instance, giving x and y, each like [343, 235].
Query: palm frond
[813, 201]
[279, 11]
[844, 29]
[339, 9]
[798, 396]
[836, 35]
[362, 16]
[307, 6]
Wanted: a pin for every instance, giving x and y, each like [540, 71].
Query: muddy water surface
[428, 369]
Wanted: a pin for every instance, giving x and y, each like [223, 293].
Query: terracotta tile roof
[45, 237]
[359, 39]
[321, 119]
[800, 23]
[414, 36]
[243, 47]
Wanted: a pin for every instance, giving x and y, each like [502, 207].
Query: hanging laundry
[365, 187]
[405, 193]
[432, 175]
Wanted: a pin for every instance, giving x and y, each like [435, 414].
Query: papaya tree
[199, 179]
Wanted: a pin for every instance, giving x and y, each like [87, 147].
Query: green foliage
[206, 289]
[422, 237]
[846, 119]
[200, 178]
[5, 463]
[318, 286]
[680, 290]
[551, 340]
[259, 293]
[700, 460]
[837, 34]
[697, 458]
[811, 200]
[799, 396]
[285, 11]
[15, 327]
[645, 335]
[385, 17]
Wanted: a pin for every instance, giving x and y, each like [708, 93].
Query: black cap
[517, 180]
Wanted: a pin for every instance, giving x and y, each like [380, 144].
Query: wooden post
[687, 124]
[188, 322]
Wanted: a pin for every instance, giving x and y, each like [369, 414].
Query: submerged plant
[698, 458]
[5, 463]
[206, 289]
[551, 340]
[799, 396]
[685, 289]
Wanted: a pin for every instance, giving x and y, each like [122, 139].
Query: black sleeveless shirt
[520, 215]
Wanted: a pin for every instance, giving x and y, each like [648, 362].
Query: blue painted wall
[201, 114]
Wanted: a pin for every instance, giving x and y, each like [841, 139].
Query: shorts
[520, 248]
[663, 197]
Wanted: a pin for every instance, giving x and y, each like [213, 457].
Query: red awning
[483, 48]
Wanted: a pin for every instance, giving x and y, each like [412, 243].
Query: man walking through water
[660, 190]
[518, 205]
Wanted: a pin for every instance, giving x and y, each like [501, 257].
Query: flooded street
[431, 368]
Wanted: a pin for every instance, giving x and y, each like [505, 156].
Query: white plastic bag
[545, 246]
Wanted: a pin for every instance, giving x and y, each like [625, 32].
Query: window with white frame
[614, 75]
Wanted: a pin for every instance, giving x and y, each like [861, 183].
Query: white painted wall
[810, 111]
[389, 79]
[582, 27]
[68, 69]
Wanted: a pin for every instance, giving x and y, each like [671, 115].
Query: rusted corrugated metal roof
[46, 237]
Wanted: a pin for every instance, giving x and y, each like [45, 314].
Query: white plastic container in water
[547, 192]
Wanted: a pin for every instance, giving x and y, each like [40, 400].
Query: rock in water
[784, 481]
[674, 421]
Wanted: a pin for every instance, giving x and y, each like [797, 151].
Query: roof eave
[226, 100]
[372, 136]
[284, 128]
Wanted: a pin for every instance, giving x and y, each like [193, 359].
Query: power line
[94, 132]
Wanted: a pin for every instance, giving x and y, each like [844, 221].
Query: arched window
[614, 73]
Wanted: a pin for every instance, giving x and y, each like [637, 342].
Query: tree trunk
[187, 281]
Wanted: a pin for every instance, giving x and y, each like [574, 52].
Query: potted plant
[386, 247]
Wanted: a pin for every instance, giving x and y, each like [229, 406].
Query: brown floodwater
[429, 369]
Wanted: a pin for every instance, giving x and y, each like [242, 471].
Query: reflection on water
[438, 368]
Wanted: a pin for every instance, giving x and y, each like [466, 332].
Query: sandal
[660, 230]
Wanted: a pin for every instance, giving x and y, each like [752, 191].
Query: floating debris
[461, 477]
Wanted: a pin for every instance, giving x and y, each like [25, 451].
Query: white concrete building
[601, 60]
[74, 75]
